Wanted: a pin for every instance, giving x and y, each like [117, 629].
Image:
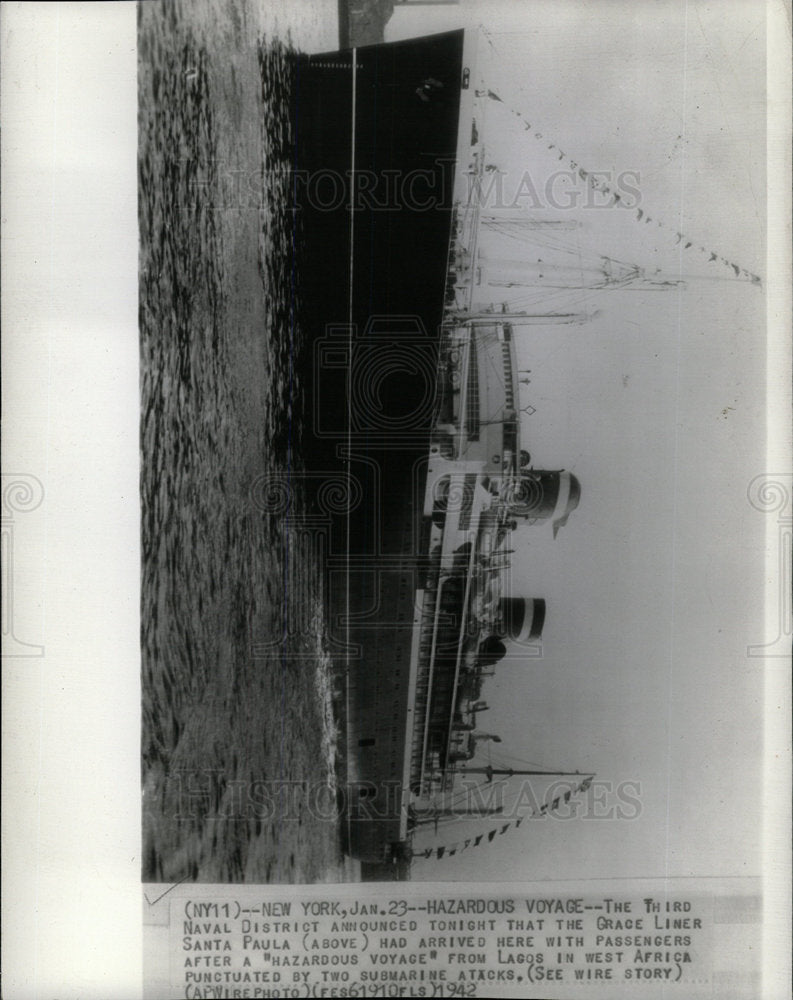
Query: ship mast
[510, 772]
[521, 317]
[433, 813]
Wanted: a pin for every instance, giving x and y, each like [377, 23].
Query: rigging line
[462, 793]
[555, 289]
[573, 786]
[592, 258]
[520, 295]
[549, 295]
[546, 300]
[475, 840]
[640, 215]
[517, 763]
[559, 247]
[518, 228]
[521, 240]
[510, 759]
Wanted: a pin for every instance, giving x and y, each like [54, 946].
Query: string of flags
[641, 216]
[449, 850]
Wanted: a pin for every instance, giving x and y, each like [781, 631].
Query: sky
[654, 587]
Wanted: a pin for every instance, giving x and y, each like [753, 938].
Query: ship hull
[377, 134]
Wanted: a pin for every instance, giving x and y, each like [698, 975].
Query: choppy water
[238, 736]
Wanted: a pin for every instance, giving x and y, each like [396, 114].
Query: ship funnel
[522, 619]
[569, 498]
[542, 495]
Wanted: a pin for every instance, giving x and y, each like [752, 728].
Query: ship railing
[448, 431]
[425, 659]
[460, 644]
[462, 417]
[424, 687]
[471, 406]
[431, 669]
[440, 577]
[509, 375]
[464, 422]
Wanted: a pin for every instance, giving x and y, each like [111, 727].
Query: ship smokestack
[522, 619]
[568, 501]
[542, 495]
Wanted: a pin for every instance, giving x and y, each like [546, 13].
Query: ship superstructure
[479, 488]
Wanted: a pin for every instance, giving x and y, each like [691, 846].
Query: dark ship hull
[381, 138]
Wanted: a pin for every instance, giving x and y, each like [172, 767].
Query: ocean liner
[416, 398]
[413, 311]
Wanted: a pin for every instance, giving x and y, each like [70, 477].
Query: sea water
[239, 742]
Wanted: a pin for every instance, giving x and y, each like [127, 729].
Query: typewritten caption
[434, 946]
